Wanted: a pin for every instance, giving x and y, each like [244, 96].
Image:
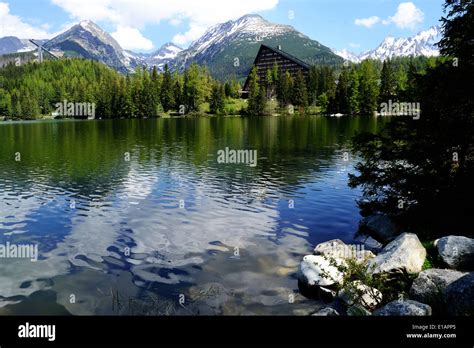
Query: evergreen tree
[194, 89]
[353, 93]
[5, 103]
[341, 100]
[387, 82]
[217, 101]
[300, 91]
[285, 88]
[257, 99]
[313, 85]
[167, 97]
[368, 87]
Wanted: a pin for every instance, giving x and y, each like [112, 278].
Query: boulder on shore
[404, 308]
[379, 226]
[405, 254]
[319, 271]
[459, 296]
[336, 249]
[457, 252]
[429, 286]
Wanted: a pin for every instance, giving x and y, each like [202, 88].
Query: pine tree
[269, 84]
[285, 88]
[341, 100]
[217, 102]
[300, 91]
[387, 84]
[368, 88]
[257, 100]
[5, 103]
[353, 93]
[167, 97]
[194, 89]
[313, 85]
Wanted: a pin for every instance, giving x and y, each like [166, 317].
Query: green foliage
[167, 96]
[368, 87]
[300, 92]
[257, 98]
[388, 84]
[217, 102]
[340, 102]
[285, 89]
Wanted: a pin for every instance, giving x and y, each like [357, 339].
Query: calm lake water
[169, 230]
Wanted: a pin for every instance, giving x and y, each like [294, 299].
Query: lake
[140, 217]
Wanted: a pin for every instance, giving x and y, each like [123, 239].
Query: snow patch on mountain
[249, 27]
[422, 44]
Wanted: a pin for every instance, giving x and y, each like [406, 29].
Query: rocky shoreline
[388, 274]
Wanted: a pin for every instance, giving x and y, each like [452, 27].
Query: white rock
[338, 250]
[317, 270]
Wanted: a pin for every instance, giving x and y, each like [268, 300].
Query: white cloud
[407, 16]
[354, 45]
[140, 13]
[367, 22]
[11, 25]
[131, 39]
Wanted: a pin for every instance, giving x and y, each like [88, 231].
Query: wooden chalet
[265, 60]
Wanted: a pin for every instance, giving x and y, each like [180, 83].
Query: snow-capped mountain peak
[90, 41]
[347, 55]
[422, 44]
[249, 26]
[167, 51]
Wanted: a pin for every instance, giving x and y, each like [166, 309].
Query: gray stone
[457, 252]
[370, 243]
[429, 286]
[404, 308]
[459, 296]
[380, 226]
[326, 312]
[403, 255]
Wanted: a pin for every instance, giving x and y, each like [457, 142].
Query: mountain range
[422, 44]
[228, 49]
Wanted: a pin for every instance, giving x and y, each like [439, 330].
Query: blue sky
[144, 25]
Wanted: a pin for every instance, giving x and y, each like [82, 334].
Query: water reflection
[170, 221]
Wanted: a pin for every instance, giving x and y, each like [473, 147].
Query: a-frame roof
[284, 54]
[288, 56]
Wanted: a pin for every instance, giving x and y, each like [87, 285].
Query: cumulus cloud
[408, 16]
[367, 22]
[139, 13]
[11, 25]
[131, 39]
